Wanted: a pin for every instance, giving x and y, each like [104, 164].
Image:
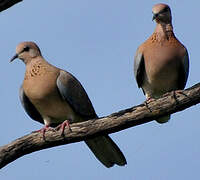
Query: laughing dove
[161, 63]
[51, 95]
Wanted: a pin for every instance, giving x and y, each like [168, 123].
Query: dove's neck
[36, 66]
[33, 60]
[164, 30]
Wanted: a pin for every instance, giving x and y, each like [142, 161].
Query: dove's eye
[26, 48]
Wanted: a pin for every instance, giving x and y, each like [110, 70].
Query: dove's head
[162, 13]
[26, 51]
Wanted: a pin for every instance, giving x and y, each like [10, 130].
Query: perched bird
[161, 63]
[53, 96]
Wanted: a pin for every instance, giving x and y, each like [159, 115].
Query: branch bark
[5, 4]
[168, 104]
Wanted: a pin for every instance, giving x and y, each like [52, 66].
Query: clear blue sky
[96, 41]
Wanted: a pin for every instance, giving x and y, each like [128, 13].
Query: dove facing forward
[161, 63]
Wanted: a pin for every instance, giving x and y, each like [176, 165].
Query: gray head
[26, 51]
[162, 13]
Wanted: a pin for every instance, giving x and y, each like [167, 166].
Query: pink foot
[43, 130]
[180, 92]
[62, 126]
[148, 100]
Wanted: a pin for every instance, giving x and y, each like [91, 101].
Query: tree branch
[5, 4]
[170, 103]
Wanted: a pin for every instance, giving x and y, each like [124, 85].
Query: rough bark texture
[5, 4]
[168, 104]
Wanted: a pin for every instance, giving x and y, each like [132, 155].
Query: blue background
[96, 41]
